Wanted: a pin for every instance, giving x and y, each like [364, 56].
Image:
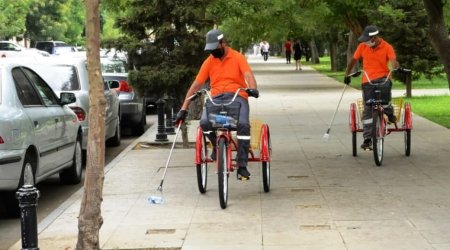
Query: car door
[64, 133]
[42, 120]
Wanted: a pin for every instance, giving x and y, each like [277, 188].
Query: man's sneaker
[392, 118]
[243, 173]
[213, 154]
[367, 144]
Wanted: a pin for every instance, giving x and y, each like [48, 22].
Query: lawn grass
[421, 83]
[433, 108]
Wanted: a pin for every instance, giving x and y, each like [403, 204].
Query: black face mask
[218, 53]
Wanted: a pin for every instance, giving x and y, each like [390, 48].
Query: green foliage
[56, 20]
[403, 23]
[13, 16]
[164, 40]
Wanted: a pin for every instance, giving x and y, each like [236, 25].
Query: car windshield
[62, 50]
[60, 77]
[113, 66]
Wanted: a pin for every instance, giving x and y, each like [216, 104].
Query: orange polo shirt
[225, 75]
[375, 60]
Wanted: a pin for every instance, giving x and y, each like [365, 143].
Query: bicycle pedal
[367, 149]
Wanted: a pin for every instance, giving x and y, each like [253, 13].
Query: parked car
[51, 47]
[70, 74]
[132, 106]
[9, 49]
[39, 134]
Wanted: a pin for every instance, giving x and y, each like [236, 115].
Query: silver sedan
[39, 134]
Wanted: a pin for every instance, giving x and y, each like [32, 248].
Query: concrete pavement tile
[430, 202]
[341, 176]
[315, 246]
[223, 234]
[400, 175]
[298, 232]
[435, 231]
[385, 234]
[213, 247]
[145, 237]
[441, 246]
[360, 203]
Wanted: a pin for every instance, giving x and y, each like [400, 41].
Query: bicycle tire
[222, 172]
[407, 138]
[377, 137]
[202, 169]
[266, 165]
[354, 148]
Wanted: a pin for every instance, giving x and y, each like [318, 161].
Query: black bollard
[28, 196]
[176, 108]
[170, 129]
[161, 136]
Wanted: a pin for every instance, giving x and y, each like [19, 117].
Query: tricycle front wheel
[202, 168]
[222, 173]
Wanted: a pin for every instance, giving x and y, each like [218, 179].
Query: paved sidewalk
[321, 196]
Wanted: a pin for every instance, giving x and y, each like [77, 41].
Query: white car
[69, 74]
[39, 134]
[9, 49]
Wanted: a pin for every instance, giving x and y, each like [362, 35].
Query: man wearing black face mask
[376, 54]
[227, 70]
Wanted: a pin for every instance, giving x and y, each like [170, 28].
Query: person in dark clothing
[298, 54]
[288, 50]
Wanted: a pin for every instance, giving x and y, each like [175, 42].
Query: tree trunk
[334, 51]
[90, 219]
[439, 33]
[314, 52]
[351, 47]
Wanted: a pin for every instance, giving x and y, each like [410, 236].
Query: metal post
[161, 136]
[176, 108]
[28, 196]
[170, 129]
[408, 85]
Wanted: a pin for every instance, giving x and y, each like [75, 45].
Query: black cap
[212, 39]
[369, 32]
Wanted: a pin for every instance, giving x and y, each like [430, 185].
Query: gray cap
[369, 32]
[212, 39]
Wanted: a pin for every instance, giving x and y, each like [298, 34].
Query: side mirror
[67, 98]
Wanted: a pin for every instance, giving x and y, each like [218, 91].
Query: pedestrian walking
[288, 50]
[298, 50]
[265, 47]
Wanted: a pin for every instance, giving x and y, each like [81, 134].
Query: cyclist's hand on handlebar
[347, 80]
[181, 116]
[252, 92]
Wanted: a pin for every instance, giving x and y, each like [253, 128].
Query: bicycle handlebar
[199, 92]
[357, 73]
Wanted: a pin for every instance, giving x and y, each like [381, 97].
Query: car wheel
[12, 204]
[139, 128]
[115, 140]
[72, 175]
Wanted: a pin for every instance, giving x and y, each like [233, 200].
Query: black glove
[347, 80]
[252, 92]
[181, 116]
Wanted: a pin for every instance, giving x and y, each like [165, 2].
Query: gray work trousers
[243, 127]
[368, 92]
